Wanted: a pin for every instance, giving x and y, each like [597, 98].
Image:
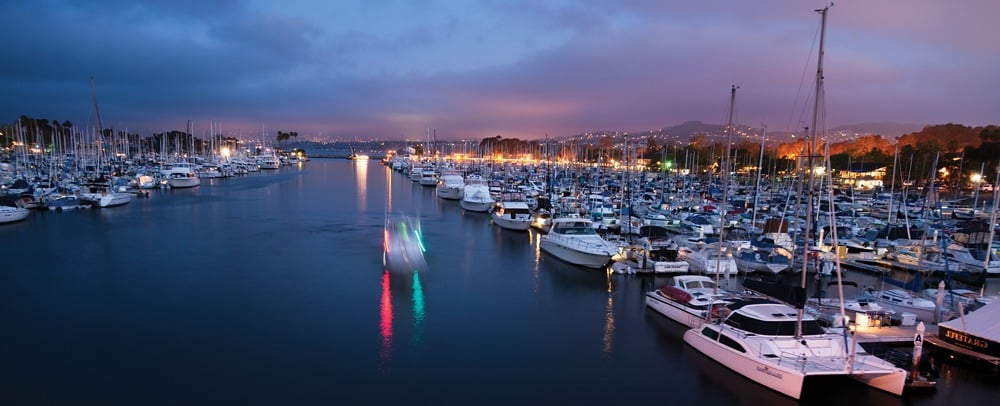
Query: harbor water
[269, 289]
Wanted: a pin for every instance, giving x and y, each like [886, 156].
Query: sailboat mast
[725, 189]
[810, 193]
[760, 168]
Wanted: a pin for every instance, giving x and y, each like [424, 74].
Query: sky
[468, 69]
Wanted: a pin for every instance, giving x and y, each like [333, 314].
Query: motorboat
[269, 161]
[759, 341]
[11, 214]
[664, 256]
[542, 221]
[711, 258]
[476, 195]
[973, 260]
[451, 186]
[690, 300]
[574, 240]
[107, 199]
[428, 177]
[65, 203]
[901, 301]
[181, 175]
[757, 260]
[403, 250]
[952, 298]
[512, 215]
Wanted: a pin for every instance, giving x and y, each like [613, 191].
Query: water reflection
[361, 173]
[609, 325]
[404, 286]
[418, 309]
[385, 323]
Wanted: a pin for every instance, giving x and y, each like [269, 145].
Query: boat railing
[585, 245]
[804, 362]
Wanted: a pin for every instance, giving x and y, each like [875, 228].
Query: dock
[887, 334]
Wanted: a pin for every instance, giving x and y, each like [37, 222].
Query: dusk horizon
[471, 70]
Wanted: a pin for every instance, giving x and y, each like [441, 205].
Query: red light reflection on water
[385, 322]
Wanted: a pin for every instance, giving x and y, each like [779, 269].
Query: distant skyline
[516, 68]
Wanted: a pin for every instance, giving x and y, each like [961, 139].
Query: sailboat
[779, 346]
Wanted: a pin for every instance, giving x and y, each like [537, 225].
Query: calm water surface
[269, 288]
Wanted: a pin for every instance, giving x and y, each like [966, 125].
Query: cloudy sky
[472, 69]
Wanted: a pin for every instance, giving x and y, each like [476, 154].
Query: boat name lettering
[966, 339]
[768, 371]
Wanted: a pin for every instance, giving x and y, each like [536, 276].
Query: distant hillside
[690, 128]
[950, 137]
[887, 130]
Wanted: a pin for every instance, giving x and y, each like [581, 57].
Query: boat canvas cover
[980, 331]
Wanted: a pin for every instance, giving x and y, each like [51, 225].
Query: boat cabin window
[729, 342]
[576, 230]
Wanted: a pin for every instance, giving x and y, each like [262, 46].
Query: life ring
[716, 312]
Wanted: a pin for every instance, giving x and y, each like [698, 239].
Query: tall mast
[810, 193]
[760, 168]
[725, 188]
[100, 128]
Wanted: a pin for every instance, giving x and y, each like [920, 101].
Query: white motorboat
[269, 161]
[146, 182]
[664, 256]
[107, 199]
[451, 186]
[476, 195]
[710, 259]
[951, 298]
[574, 240]
[181, 175]
[428, 177]
[759, 341]
[11, 214]
[972, 260]
[901, 301]
[512, 215]
[691, 300]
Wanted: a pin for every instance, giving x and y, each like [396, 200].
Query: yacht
[574, 240]
[11, 214]
[269, 162]
[973, 260]
[451, 186]
[711, 258]
[664, 256]
[512, 215]
[761, 260]
[428, 177]
[690, 300]
[476, 197]
[180, 175]
[901, 301]
[107, 199]
[759, 341]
